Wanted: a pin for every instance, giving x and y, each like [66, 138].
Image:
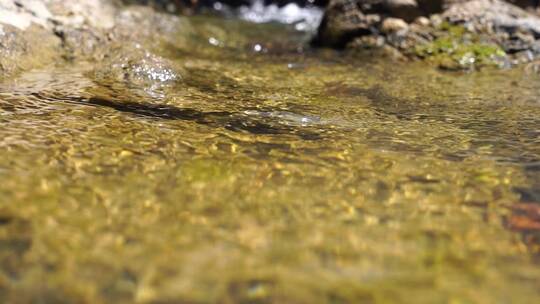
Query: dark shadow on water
[233, 121]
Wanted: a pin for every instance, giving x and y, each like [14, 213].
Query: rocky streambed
[147, 157]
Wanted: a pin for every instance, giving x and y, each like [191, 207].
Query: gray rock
[514, 29]
[490, 22]
[494, 14]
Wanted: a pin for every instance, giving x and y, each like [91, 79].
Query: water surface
[269, 173]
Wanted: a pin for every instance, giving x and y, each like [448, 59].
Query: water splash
[304, 18]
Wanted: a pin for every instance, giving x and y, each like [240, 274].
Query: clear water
[269, 174]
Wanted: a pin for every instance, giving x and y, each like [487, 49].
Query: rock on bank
[35, 33]
[454, 34]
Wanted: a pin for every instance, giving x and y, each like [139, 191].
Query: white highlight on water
[304, 18]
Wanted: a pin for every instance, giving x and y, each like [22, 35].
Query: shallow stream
[268, 173]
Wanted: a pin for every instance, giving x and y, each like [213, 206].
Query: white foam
[304, 18]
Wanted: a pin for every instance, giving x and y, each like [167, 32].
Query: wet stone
[137, 66]
[138, 70]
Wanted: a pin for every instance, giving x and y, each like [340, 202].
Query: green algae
[266, 177]
[455, 48]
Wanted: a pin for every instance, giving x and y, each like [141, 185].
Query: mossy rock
[456, 48]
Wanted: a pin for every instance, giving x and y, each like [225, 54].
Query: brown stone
[393, 25]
